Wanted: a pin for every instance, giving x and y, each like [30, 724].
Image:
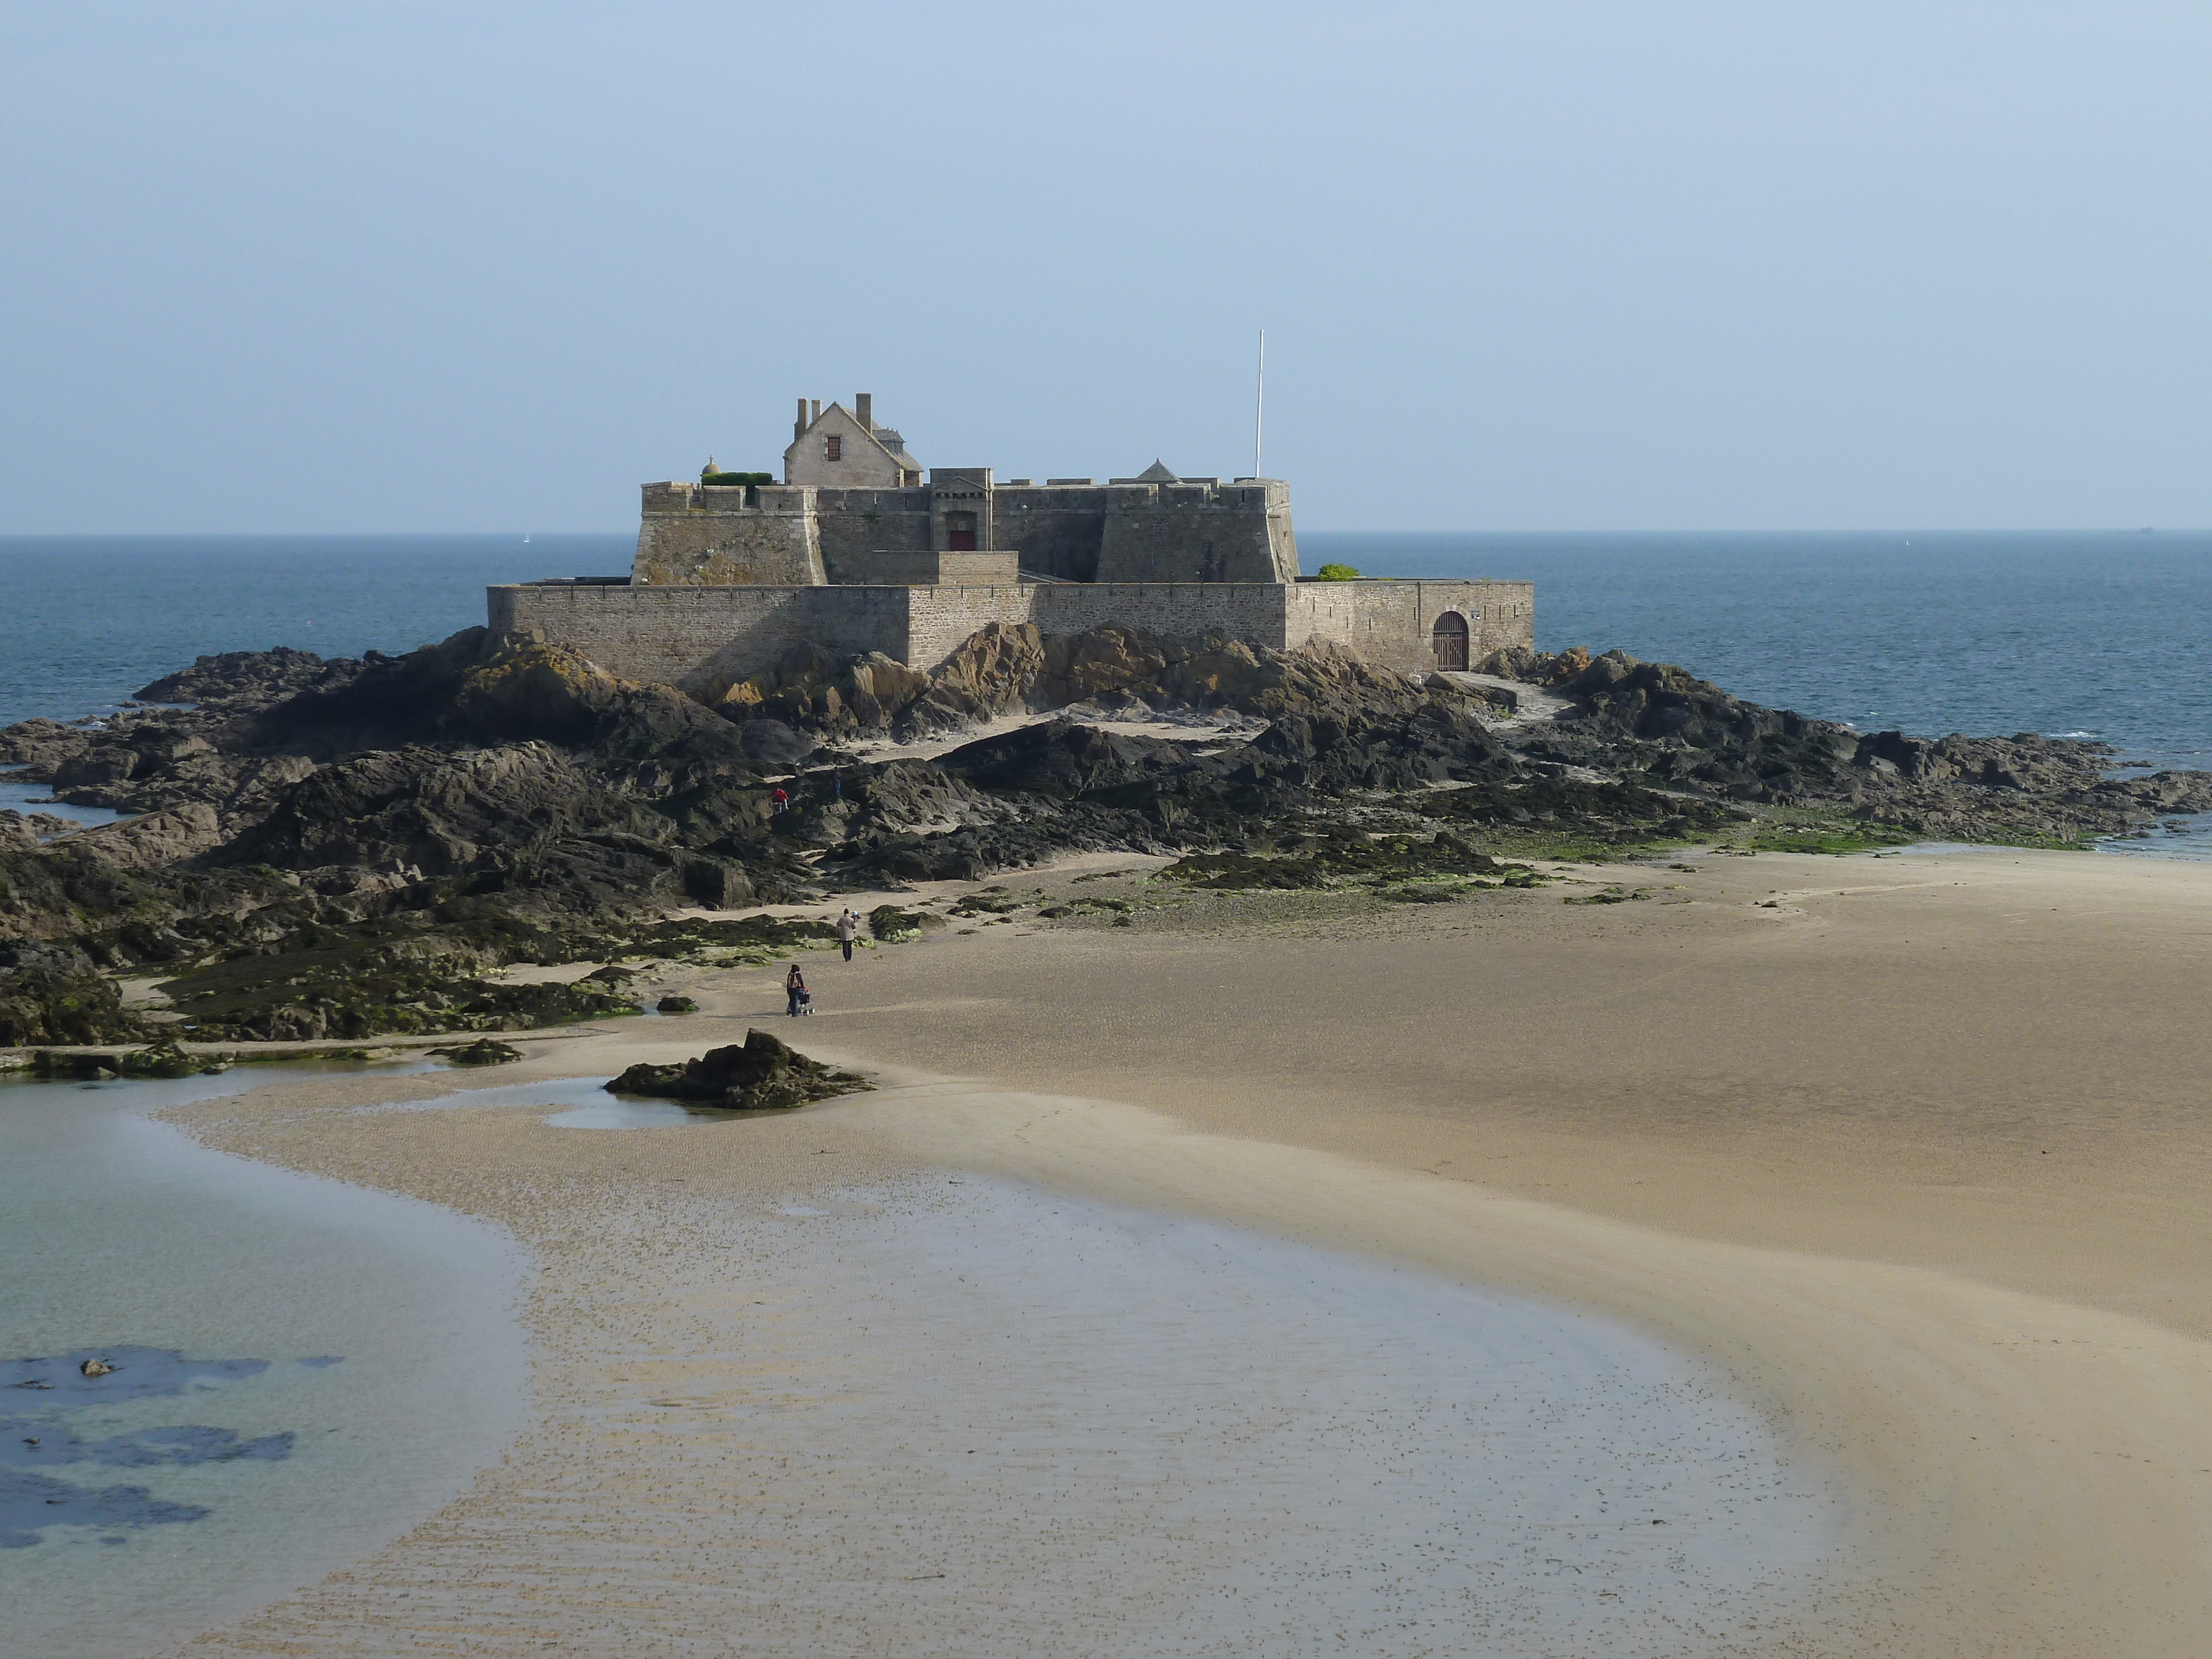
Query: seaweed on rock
[763, 1073]
[342, 849]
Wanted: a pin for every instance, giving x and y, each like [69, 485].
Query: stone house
[837, 449]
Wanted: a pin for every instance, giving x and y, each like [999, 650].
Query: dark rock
[890, 923]
[163, 1057]
[714, 885]
[399, 974]
[771, 744]
[762, 1074]
[1062, 760]
[676, 1005]
[249, 679]
[1329, 860]
[757, 938]
[483, 1052]
[45, 1005]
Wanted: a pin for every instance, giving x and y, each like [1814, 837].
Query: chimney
[864, 410]
[816, 414]
[798, 426]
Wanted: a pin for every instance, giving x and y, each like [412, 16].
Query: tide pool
[301, 1369]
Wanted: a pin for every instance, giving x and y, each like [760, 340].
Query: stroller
[800, 1000]
[805, 1003]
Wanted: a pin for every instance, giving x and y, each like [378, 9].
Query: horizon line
[628, 531]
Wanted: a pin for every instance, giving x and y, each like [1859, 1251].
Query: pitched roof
[883, 437]
[1155, 473]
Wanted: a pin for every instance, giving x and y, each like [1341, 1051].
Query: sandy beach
[1903, 1157]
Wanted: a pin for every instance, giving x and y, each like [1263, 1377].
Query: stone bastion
[727, 580]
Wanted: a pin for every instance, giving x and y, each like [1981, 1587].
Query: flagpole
[1259, 402]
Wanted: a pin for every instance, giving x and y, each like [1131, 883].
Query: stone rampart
[883, 569]
[1195, 532]
[1184, 532]
[1394, 623]
[697, 535]
[690, 635]
[850, 524]
[941, 618]
[693, 635]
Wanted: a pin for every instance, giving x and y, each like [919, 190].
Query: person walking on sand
[794, 991]
[848, 924]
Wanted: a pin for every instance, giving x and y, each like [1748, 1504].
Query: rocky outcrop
[763, 1074]
[41, 1005]
[251, 679]
[484, 1051]
[427, 812]
[993, 671]
[1665, 727]
[1006, 668]
[339, 850]
[156, 841]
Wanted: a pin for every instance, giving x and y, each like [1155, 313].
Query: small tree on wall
[1336, 573]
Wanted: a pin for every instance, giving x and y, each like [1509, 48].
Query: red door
[960, 532]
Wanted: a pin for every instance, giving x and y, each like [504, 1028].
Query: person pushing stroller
[797, 999]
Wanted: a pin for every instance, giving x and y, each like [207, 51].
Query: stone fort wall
[692, 636]
[1190, 531]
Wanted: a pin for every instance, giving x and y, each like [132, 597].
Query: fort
[857, 550]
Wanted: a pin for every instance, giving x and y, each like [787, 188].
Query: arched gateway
[1449, 638]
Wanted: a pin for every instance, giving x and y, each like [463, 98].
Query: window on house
[835, 447]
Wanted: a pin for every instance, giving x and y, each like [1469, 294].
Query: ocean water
[92, 618]
[2092, 633]
[1989, 633]
[2088, 634]
[302, 1369]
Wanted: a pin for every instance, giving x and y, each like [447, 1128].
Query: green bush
[1336, 573]
[727, 480]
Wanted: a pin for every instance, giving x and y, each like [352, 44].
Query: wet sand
[1908, 1154]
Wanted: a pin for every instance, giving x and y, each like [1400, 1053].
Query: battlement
[861, 549]
[1130, 530]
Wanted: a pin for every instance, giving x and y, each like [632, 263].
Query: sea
[2090, 633]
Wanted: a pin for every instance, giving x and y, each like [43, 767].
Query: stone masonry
[856, 552]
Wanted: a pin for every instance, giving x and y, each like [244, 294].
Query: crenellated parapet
[860, 549]
[1185, 530]
[705, 534]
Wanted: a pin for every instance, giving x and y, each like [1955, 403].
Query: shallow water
[28, 798]
[303, 1368]
[2185, 835]
[577, 1103]
[1185, 1438]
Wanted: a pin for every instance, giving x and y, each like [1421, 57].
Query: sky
[293, 267]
